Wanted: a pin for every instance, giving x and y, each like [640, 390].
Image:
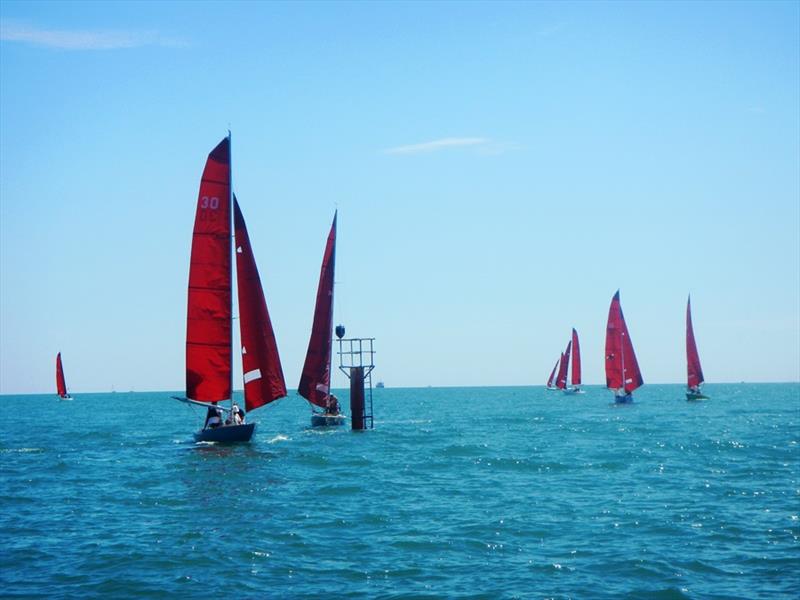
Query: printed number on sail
[212, 203]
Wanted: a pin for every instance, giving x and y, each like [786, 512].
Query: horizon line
[416, 387]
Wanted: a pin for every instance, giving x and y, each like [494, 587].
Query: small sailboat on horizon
[315, 380]
[209, 341]
[551, 386]
[575, 379]
[694, 372]
[622, 369]
[61, 382]
[561, 378]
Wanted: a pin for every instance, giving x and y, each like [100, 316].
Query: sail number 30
[212, 202]
[208, 203]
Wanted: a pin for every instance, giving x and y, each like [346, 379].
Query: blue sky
[500, 170]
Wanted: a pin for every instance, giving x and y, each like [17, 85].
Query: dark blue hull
[226, 435]
[626, 399]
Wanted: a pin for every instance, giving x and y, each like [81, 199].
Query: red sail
[263, 376]
[622, 369]
[61, 384]
[552, 375]
[559, 377]
[315, 380]
[694, 370]
[561, 380]
[576, 359]
[208, 327]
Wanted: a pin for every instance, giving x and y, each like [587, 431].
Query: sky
[500, 170]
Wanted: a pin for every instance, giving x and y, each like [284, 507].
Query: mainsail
[694, 370]
[208, 327]
[576, 360]
[561, 380]
[315, 380]
[263, 376]
[622, 369]
[61, 384]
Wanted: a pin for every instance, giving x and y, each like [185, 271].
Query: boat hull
[226, 435]
[693, 396]
[572, 391]
[327, 420]
[626, 399]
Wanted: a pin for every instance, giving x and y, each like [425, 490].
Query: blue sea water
[456, 493]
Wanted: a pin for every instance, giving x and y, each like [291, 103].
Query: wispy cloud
[477, 144]
[64, 39]
[435, 145]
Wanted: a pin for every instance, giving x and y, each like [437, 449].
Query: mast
[622, 357]
[232, 248]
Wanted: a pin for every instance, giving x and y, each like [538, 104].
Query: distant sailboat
[622, 370]
[575, 379]
[561, 379]
[693, 368]
[315, 380]
[551, 380]
[61, 383]
[209, 341]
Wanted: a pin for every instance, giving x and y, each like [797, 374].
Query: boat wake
[279, 438]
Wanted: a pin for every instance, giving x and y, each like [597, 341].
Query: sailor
[238, 415]
[333, 405]
[213, 417]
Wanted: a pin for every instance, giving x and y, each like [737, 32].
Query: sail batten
[622, 368]
[694, 373]
[208, 321]
[261, 365]
[315, 379]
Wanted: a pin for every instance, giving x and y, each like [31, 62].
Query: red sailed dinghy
[561, 380]
[315, 380]
[622, 370]
[575, 379]
[551, 380]
[209, 340]
[694, 375]
[61, 383]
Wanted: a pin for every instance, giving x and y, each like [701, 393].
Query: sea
[494, 492]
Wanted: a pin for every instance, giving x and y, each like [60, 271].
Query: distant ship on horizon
[380, 385]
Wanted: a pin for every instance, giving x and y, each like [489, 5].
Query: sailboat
[622, 370]
[315, 380]
[61, 383]
[551, 380]
[694, 372]
[561, 378]
[575, 378]
[209, 341]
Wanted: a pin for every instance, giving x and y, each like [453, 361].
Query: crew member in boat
[333, 405]
[213, 417]
[237, 416]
